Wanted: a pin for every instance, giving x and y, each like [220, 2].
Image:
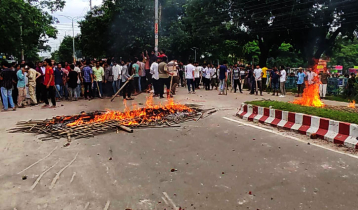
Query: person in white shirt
[283, 76]
[78, 70]
[197, 75]
[258, 80]
[310, 77]
[206, 72]
[190, 77]
[116, 72]
[213, 76]
[155, 77]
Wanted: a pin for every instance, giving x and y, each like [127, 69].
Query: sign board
[339, 67]
[355, 67]
[156, 28]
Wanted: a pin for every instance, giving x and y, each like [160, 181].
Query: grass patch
[339, 115]
[337, 98]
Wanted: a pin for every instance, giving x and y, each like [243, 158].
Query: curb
[334, 131]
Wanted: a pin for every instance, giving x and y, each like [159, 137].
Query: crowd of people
[27, 84]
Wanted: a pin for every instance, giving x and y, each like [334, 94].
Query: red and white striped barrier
[331, 130]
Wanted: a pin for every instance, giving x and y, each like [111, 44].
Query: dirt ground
[220, 163]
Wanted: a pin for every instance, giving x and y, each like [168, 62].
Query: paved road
[220, 164]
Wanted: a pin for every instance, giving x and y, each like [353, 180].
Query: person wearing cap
[32, 76]
[300, 81]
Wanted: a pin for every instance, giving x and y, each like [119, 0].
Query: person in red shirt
[49, 83]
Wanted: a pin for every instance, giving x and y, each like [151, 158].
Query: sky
[73, 8]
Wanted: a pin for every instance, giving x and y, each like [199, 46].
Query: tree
[345, 53]
[65, 51]
[25, 24]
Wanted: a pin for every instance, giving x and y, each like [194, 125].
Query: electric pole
[90, 4]
[194, 48]
[156, 28]
[21, 42]
[73, 34]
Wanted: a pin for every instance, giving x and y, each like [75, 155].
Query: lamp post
[73, 33]
[194, 48]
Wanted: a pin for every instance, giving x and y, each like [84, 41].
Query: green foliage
[345, 53]
[320, 112]
[35, 23]
[65, 51]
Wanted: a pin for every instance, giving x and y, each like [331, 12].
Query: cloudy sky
[73, 8]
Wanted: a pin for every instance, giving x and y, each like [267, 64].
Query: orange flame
[135, 115]
[352, 104]
[310, 96]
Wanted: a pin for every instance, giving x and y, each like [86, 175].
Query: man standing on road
[197, 75]
[324, 81]
[49, 82]
[311, 77]
[126, 75]
[300, 81]
[135, 70]
[98, 74]
[7, 78]
[88, 80]
[275, 84]
[155, 77]
[190, 77]
[257, 80]
[32, 76]
[116, 72]
[250, 76]
[21, 86]
[283, 75]
[163, 77]
[39, 82]
[108, 79]
[236, 77]
[223, 77]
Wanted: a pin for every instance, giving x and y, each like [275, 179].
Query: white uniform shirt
[154, 70]
[197, 72]
[257, 74]
[283, 75]
[116, 72]
[207, 73]
[189, 71]
[310, 76]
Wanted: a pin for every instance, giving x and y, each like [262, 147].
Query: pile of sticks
[57, 128]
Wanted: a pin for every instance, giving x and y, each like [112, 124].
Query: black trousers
[237, 83]
[149, 77]
[197, 82]
[127, 90]
[88, 90]
[181, 75]
[39, 90]
[162, 82]
[108, 89]
[253, 87]
[155, 86]
[143, 83]
[52, 93]
[207, 84]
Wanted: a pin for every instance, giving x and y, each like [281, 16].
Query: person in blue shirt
[21, 86]
[300, 81]
[58, 73]
[222, 77]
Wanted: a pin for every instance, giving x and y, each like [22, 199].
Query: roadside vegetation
[346, 114]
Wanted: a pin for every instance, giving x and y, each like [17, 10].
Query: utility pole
[156, 28]
[21, 42]
[194, 48]
[73, 34]
[90, 4]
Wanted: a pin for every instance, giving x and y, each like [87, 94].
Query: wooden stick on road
[99, 92]
[114, 96]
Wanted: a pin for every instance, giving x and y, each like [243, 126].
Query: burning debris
[310, 96]
[352, 104]
[90, 124]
